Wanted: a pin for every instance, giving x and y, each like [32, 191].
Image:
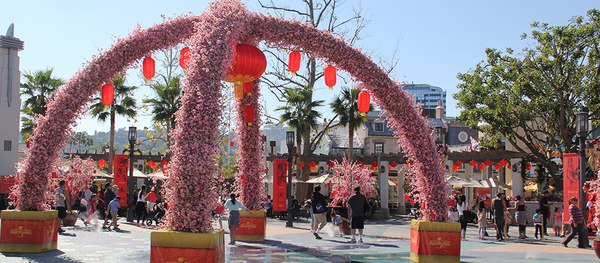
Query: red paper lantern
[497, 166]
[364, 102]
[164, 163]
[458, 163]
[184, 57]
[473, 163]
[231, 144]
[393, 164]
[148, 68]
[487, 162]
[481, 166]
[294, 62]
[249, 63]
[152, 165]
[330, 164]
[455, 168]
[248, 115]
[330, 76]
[313, 165]
[503, 162]
[108, 94]
[248, 88]
[102, 164]
[528, 166]
[301, 165]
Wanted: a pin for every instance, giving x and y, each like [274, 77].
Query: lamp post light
[289, 141]
[132, 138]
[582, 131]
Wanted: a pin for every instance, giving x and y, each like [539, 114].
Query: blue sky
[435, 39]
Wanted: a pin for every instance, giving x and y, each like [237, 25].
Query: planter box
[173, 246]
[434, 241]
[28, 231]
[253, 225]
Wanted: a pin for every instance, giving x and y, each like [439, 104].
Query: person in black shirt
[319, 207]
[357, 208]
[545, 210]
[499, 208]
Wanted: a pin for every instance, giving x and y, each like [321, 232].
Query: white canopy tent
[158, 175]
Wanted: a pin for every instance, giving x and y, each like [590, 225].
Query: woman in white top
[140, 206]
[461, 206]
[234, 207]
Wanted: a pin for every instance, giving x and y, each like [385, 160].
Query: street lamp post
[132, 138]
[289, 140]
[582, 131]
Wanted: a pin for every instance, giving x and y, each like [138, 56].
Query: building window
[378, 127]
[378, 148]
[8, 146]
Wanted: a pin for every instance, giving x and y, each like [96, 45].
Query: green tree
[300, 112]
[38, 88]
[82, 139]
[124, 104]
[345, 106]
[531, 99]
[166, 103]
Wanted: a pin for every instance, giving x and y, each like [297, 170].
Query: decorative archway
[195, 138]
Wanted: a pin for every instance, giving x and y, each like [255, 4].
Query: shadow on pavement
[50, 256]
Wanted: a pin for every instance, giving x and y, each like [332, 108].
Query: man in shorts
[357, 208]
[61, 204]
[319, 208]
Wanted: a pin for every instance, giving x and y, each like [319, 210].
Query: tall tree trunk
[350, 141]
[111, 151]
[302, 190]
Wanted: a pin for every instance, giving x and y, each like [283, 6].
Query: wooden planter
[28, 231]
[253, 225]
[434, 241]
[173, 246]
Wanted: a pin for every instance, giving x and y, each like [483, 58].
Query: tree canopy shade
[531, 99]
[38, 88]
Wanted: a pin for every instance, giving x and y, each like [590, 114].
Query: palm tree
[345, 106]
[123, 104]
[39, 88]
[300, 112]
[166, 103]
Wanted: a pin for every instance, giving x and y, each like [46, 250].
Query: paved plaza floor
[385, 241]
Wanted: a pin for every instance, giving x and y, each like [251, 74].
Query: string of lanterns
[481, 166]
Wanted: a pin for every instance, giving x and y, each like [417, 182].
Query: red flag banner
[121, 162]
[570, 181]
[280, 168]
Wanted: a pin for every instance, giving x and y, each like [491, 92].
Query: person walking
[109, 195]
[499, 208]
[308, 207]
[269, 206]
[357, 208]
[233, 222]
[520, 216]
[577, 224]
[537, 222]
[461, 206]
[319, 207]
[140, 206]
[113, 210]
[93, 212]
[557, 221]
[545, 211]
[481, 221]
[60, 203]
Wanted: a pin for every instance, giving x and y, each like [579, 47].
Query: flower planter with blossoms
[434, 242]
[253, 225]
[174, 246]
[595, 189]
[28, 231]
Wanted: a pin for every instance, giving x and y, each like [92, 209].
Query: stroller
[158, 212]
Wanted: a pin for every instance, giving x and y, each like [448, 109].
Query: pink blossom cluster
[595, 188]
[249, 179]
[77, 173]
[346, 177]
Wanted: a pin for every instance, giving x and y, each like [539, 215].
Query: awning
[391, 183]
[321, 179]
[494, 183]
[158, 175]
[101, 174]
[136, 174]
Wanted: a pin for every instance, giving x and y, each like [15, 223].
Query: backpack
[320, 207]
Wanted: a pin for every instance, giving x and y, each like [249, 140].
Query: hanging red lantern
[473, 163]
[152, 165]
[497, 166]
[184, 57]
[164, 163]
[330, 164]
[481, 166]
[455, 168]
[364, 102]
[393, 164]
[487, 162]
[102, 164]
[248, 88]
[458, 163]
[313, 165]
[148, 68]
[28, 144]
[249, 63]
[108, 94]
[330, 76]
[301, 165]
[503, 162]
[528, 166]
[231, 144]
[248, 115]
[294, 62]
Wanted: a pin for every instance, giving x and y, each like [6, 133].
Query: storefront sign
[570, 181]
[121, 163]
[279, 185]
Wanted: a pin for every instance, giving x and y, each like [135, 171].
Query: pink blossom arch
[189, 189]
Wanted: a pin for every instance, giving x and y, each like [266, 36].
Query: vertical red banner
[121, 163]
[280, 168]
[570, 181]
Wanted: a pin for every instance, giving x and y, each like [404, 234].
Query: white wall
[9, 115]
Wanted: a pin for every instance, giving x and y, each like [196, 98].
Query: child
[537, 221]
[93, 214]
[338, 220]
[113, 209]
[482, 223]
[557, 221]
